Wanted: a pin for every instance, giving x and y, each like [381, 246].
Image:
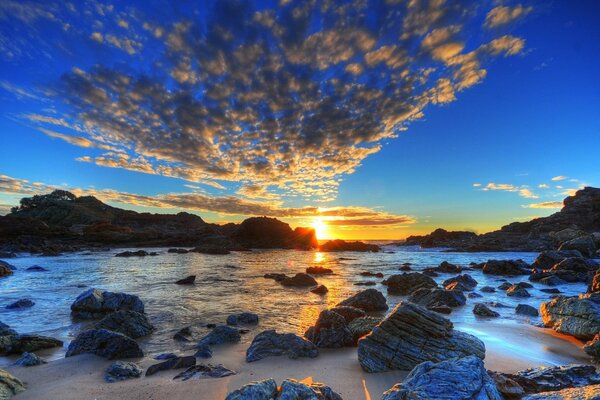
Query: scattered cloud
[543, 186]
[545, 204]
[502, 15]
[559, 178]
[527, 193]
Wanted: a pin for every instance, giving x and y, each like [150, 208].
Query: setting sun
[321, 229]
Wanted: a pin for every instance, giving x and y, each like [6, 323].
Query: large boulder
[330, 331]
[571, 269]
[270, 343]
[405, 284]
[299, 280]
[129, 323]
[484, 311]
[433, 298]
[456, 379]
[9, 385]
[261, 390]
[220, 334]
[465, 280]
[506, 267]
[591, 392]
[546, 259]
[411, 334]
[362, 326]
[104, 343]
[94, 303]
[576, 316]
[366, 300]
[290, 389]
[586, 245]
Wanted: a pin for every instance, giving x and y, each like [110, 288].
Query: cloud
[523, 191]
[503, 15]
[543, 186]
[527, 193]
[559, 178]
[545, 204]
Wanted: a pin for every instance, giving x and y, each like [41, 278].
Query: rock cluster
[290, 389]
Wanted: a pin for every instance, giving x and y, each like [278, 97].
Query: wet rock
[105, 344]
[299, 280]
[317, 270]
[9, 385]
[447, 268]
[29, 360]
[203, 351]
[505, 286]
[320, 290]
[5, 270]
[178, 251]
[211, 249]
[221, 334]
[184, 334]
[129, 323]
[349, 313]
[94, 303]
[122, 370]
[507, 386]
[292, 389]
[165, 356]
[20, 304]
[546, 259]
[506, 267]
[371, 274]
[575, 316]
[584, 244]
[405, 284]
[474, 295]
[487, 289]
[430, 272]
[551, 291]
[341, 245]
[458, 286]
[591, 392]
[456, 379]
[330, 331]
[405, 268]
[366, 300]
[465, 279]
[139, 253]
[13, 343]
[270, 343]
[362, 326]
[411, 334]
[438, 297]
[551, 281]
[524, 309]
[276, 277]
[204, 370]
[173, 363]
[592, 347]
[247, 318]
[261, 390]
[189, 280]
[36, 268]
[483, 311]
[517, 291]
[545, 379]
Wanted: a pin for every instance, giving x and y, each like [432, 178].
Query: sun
[321, 228]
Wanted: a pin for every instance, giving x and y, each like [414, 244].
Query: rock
[94, 303]
[506, 267]
[330, 331]
[247, 318]
[438, 297]
[320, 290]
[299, 280]
[552, 291]
[591, 392]
[487, 289]
[341, 245]
[139, 253]
[405, 268]
[507, 386]
[29, 360]
[184, 334]
[446, 267]
[505, 286]
[9, 385]
[270, 343]
[458, 286]
[362, 326]
[367, 300]
[13, 343]
[456, 379]
[584, 244]
[411, 334]
[129, 323]
[178, 251]
[575, 316]
[595, 285]
[261, 390]
[592, 347]
[276, 277]
[5, 270]
[221, 334]
[211, 249]
[430, 272]
[370, 283]
[371, 274]
[188, 280]
[545, 379]
[173, 363]
[20, 304]
[165, 356]
[264, 232]
[292, 389]
[483, 311]
[525, 309]
[405, 284]
[36, 268]
[440, 309]
[122, 370]
[552, 281]
[349, 313]
[465, 279]
[317, 270]
[474, 295]
[204, 370]
[546, 259]
[105, 344]
[203, 352]
[517, 291]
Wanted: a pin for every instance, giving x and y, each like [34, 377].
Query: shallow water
[232, 283]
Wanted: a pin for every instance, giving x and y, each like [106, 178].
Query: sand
[509, 348]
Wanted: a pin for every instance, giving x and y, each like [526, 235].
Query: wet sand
[509, 348]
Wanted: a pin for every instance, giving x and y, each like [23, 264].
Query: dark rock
[276, 277]
[341, 245]
[204, 370]
[368, 283]
[165, 356]
[505, 286]
[411, 334]
[440, 309]
[507, 386]
[362, 326]
[552, 291]
[36, 268]
[372, 274]
[488, 289]
[221, 334]
[122, 370]
[293, 389]
[184, 334]
[261, 390]
[211, 249]
[552, 281]
[20, 304]
[483, 311]
[441, 238]
[189, 280]
[544, 379]
[590, 392]
[330, 331]
[105, 344]
[575, 316]
[349, 313]
[299, 280]
[203, 352]
[139, 253]
[178, 251]
[173, 363]
[474, 295]
[546, 259]
[94, 303]
[525, 309]
[270, 343]
[367, 300]
[129, 323]
[320, 290]
[29, 360]
[438, 297]
[584, 244]
[506, 267]
[430, 272]
[447, 268]
[269, 233]
[405, 284]
[465, 279]
[405, 268]
[5, 269]
[593, 347]
[9, 385]
[247, 318]
[457, 378]
[13, 343]
[317, 270]
[517, 291]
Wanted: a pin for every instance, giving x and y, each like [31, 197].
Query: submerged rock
[122, 370]
[517, 291]
[105, 344]
[465, 280]
[139, 253]
[276, 276]
[456, 379]
[188, 280]
[317, 270]
[483, 311]
[20, 304]
[29, 360]
[129, 323]
[173, 363]
[575, 316]
[320, 290]
[404, 284]
[299, 280]
[367, 300]
[36, 268]
[9, 385]
[94, 303]
[410, 335]
[330, 331]
[247, 318]
[270, 343]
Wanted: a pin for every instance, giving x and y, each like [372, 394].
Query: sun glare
[321, 229]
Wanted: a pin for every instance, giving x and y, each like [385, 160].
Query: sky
[364, 119]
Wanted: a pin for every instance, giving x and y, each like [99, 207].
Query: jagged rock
[431, 298]
[341, 245]
[317, 270]
[411, 334]
[362, 326]
[36, 268]
[105, 344]
[584, 244]
[129, 323]
[20, 304]
[292, 389]
[221, 334]
[591, 392]
[188, 280]
[525, 309]
[139, 253]
[367, 300]
[545, 379]
[404, 284]
[507, 386]
[276, 277]
[29, 360]
[247, 318]
[173, 363]
[270, 343]
[465, 279]
[94, 303]
[575, 316]
[261, 390]
[593, 347]
[299, 280]
[456, 379]
[487, 289]
[546, 259]
[330, 331]
[349, 313]
[9, 385]
[204, 370]
[571, 269]
[483, 311]
[320, 290]
[506, 267]
[517, 291]
[122, 370]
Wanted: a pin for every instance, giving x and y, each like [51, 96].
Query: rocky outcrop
[9, 385]
[366, 300]
[129, 323]
[506, 267]
[349, 313]
[571, 269]
[341, 245]
[270, 343]
[299, 280]
[575, 316]
[586, 245]
[105, 344]
[268, 233]
[405, 284]
[94, 303]
[546, 259]
[441, 238]
[330, 331]
[457, 379]
[122, 370]
[410, 335]
[290, 389]
[261, 390]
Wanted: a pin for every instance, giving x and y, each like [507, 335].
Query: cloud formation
[545, 204]
[503, 15]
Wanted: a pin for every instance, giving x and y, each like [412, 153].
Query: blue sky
[378, 121]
